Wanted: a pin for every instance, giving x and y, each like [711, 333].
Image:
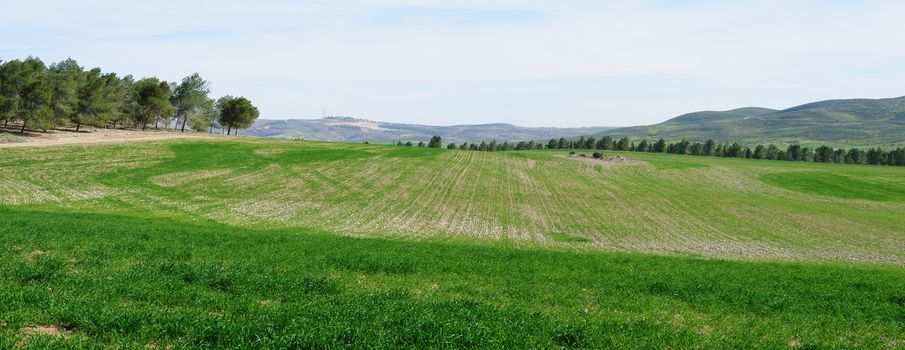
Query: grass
[891, 188]
[281, 244]
[122, 281]
[667, 204]
[10, 138]
[567, 238]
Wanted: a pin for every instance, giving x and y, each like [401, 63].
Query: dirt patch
[26, 333]
[269, 152]
[30, 257]
[605, 159]
[181, 178]
[94, 136]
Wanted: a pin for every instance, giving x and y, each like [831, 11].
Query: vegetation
[64, 94]
[849, 123]
[795, 152]
[292, 244]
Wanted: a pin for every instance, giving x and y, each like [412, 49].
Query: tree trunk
[157, 123]
[184, 119]
[229, 130]
[23, 125]
[77, 126]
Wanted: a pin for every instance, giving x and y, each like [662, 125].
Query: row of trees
[822, 154]
[435, 142]
[64, 94]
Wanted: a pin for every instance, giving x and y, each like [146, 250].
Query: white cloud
[445, 62]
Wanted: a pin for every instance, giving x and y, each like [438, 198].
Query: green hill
[856, 122]
[259, 243]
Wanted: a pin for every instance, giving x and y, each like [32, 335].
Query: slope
[854, 122]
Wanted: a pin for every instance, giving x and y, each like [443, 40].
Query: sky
[528, 62]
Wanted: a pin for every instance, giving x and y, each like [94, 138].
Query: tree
[875, 156]
[435, 142]
[237, 113]
[710, 148]
[420, 143]
[734, 150]
[151, 98]
[772, 152]
[34, 95]
[65, 79]
[696, 149]
[189, 98]
[11, 77]
[605, 143]
[659, 146]
[794, 152]
[115, 95]
[206, 116]
[760, 152]
[129, 104]
[823, 154]
[92, 104]
[451, 145]
[807, 155]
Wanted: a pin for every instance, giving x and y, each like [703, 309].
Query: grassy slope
[839, 123]
[713, 207]
[230, 244]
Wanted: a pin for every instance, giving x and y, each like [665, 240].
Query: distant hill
[856, 122]
[347, 129]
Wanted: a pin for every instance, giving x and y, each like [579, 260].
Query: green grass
[843, 186]
[280, 244]
[123, 281]
[836, 123]
[567, 238]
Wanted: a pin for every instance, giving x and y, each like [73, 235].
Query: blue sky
[527, 62]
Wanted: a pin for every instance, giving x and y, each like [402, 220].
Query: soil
[93, 136]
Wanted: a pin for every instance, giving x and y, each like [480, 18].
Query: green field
[282, 244]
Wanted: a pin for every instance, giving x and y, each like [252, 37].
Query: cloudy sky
[528, 62]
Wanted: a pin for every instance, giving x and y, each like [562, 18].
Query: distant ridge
[856, 122]
[348, 129]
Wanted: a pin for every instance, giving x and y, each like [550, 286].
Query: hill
[855, 122]
[258, 243]
[344, 129]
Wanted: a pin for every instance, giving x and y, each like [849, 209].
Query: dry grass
[659, 203]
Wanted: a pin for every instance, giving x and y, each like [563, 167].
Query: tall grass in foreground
[122, 281]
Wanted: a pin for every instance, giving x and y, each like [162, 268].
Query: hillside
[855, 122]
[343, 129]
[260, 243]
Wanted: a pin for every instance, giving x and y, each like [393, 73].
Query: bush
[597, 155]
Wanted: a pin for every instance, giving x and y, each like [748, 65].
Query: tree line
[64, 94]
[821, 154]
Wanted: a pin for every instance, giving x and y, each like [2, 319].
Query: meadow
[286, 244]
